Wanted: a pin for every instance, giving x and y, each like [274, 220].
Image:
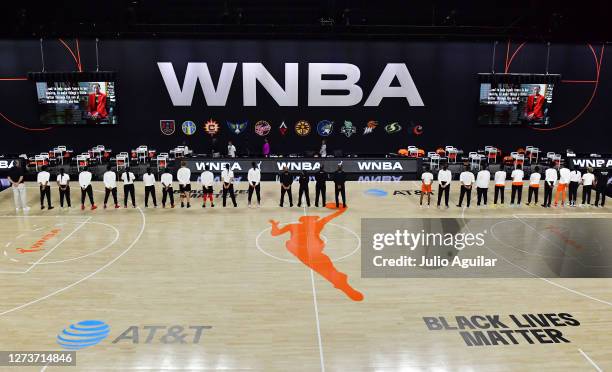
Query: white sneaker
[17, 209]
[26, 209]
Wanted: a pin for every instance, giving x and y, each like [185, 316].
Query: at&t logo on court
[83, 334]
[91, 332]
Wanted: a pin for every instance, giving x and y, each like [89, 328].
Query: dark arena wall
[444, 75]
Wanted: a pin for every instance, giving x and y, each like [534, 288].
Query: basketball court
[238, 300]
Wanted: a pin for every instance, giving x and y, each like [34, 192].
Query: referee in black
[286, 179]
[339, 186]
[321, 177]
[304, 179]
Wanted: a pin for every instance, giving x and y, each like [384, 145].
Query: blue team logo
[325, 128]
[188, 127]
[237, 128]
[83, 334]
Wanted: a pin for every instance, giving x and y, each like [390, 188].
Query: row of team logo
[262, 128]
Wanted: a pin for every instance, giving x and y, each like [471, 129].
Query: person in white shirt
[323, 149]
[231, 150]
[110, 186]
[128, 179]
[63, 183]
[444, 181]
[517, 176]
[550, 177]
[587, 186]
[500, 186]
[426, 181]
[483, 177]
[207, 179]
[86, 189]
[466, 178]
[575, 178]
[167, 190]
[16, 177]
[45, 191]
[227, 177]
[149, 183]
[183, 176]
[564, 179]
[254, 178]
[534, 185]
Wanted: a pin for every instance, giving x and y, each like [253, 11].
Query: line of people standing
[321, 177]
[566, 181]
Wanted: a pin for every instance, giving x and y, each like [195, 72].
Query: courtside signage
[268, 165]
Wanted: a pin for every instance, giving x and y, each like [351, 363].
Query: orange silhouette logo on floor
[305, 243]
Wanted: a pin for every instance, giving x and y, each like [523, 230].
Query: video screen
[515, 103]
[77, 102]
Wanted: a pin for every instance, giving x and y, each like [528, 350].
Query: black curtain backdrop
[444, 73]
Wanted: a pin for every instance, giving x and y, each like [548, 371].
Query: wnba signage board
[276, 165]
[596, 163]
[216, 93]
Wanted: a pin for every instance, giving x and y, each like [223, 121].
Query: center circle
[323, 237]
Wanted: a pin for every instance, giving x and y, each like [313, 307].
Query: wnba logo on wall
[262, 128]
[325, 128]
[211, 127]
[237, 128]
[302, 128]
[393, 128]
[372, 124]
[188, 127]
[348, 129]
[167, 127]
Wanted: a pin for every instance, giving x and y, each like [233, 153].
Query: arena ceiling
[544, 20]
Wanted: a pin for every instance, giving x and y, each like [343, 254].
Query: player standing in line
[426, 181]
[110, 185]
[534, 185]
[483, 177]
[517, 176]
[444, 181]
[575, 178]
[466, 178]
[227, 177]
[45, 191]
[149, 183]
[286, 180]
[207, 178]
[340, 186]
[128, 187]
[63, 183]
[17, 180]
[321, 178]
[550, 177]
[86, 189]
[601, 183]
[254, 179]
[167, 190]
[587, 185]
[564, 179]
[183, 175]
[500, 186]
[303, 180]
